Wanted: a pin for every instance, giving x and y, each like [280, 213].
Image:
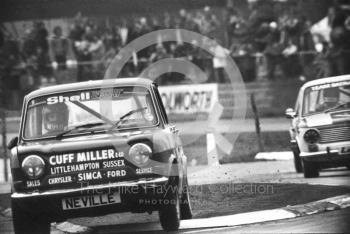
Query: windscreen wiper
[87, 125]
[116, 124]
[337, 107]
[93, 112]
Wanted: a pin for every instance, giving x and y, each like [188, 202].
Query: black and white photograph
[174, 116]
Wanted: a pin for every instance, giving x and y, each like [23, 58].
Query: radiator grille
[335, 133]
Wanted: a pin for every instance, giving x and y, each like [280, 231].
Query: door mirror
[290, 113]
[13, 142]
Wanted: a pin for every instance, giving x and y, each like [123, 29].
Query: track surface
[276, 172]
[280, 172]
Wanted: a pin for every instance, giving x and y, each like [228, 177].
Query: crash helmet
[331, 95]
[55, 117]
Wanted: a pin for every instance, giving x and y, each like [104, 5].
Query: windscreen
[326, 97]
[112, 108]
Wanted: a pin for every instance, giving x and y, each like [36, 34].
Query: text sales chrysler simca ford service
[320, 129]
[94, 148]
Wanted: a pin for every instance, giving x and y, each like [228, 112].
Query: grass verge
[244, 150]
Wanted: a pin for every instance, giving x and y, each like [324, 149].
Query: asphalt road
[265, 172]
[257, 172]
[280, 172]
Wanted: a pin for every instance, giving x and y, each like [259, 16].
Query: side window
[162, 109]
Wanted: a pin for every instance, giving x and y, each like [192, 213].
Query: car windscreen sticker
[330, 85]
[106, 93]
[68, 98]
[96, 94]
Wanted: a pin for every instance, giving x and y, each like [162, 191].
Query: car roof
[325, 81]
[115, 82]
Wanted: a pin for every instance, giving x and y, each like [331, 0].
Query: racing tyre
[26, 223]
[297, 161]
[185, 206]
[310, 169]
[169, 213]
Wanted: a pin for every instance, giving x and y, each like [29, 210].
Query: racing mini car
[320, 126]
[94, 148]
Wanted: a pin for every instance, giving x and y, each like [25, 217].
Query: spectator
[219, 62]
[76, 34]
[183, 20]
[84, 58]
[291, 65]
[260, 36]
[97, 51]
[40, 36]
[159, 53]
[273, 50]
[59, 48]
[43, 64]
[306, 42]
[307, 49]
[236, 29]
[29, 44]
[340, 42]
[93, 42]
[11, 71]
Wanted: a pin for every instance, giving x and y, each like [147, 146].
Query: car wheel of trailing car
[310, 169]
[185, 206]
[297, 161]
[26, 223]
[169, 212]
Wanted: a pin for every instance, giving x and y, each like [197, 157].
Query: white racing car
[320, 126]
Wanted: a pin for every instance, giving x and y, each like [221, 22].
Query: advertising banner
[189, 99]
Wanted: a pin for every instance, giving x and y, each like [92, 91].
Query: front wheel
[297, 161]
[310, 169]
[24, 222]
[185, 206]
[169, 213]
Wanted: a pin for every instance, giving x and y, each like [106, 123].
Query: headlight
[312, 136]
[33, 166]
[140, 153]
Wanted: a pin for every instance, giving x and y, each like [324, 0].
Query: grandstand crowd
[280, 37]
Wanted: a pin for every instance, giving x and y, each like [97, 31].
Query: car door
[180, 158]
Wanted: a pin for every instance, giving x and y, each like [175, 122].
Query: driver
[330, 98]
[55, 118]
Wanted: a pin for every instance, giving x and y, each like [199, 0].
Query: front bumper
[326, 156]
[135, 197]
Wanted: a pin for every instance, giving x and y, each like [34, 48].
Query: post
[212, 153]
[257, 122]
[4, 141]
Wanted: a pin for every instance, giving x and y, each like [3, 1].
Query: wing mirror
[13, 142]
[290, 113]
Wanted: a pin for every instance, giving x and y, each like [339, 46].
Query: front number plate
[73, 203]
